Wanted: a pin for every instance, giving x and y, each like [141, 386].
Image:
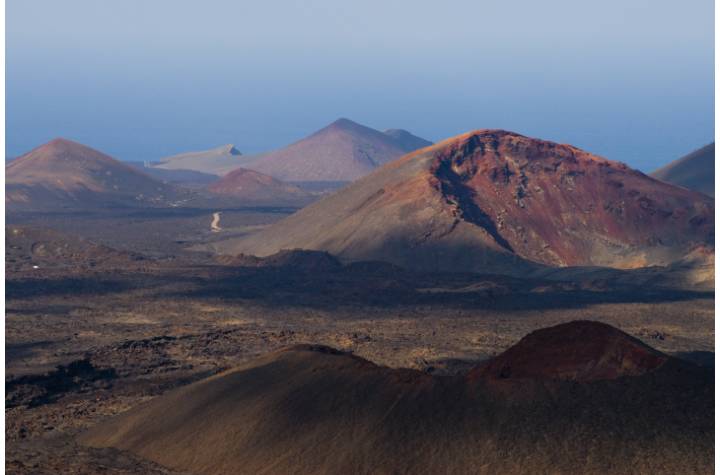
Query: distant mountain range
[496, 201]
[66, 175]
[694, 171]
[188, 178]
[217, 161]
[341, 152]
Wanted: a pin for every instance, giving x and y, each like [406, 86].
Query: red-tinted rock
[63, 173]
[496, 201]
[257, 187]
[576, 351]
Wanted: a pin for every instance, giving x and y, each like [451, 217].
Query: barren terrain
[84, 343]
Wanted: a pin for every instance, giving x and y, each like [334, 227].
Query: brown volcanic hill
[252, 186]
[342, 151]
[311, 409]
[218, 161]
[575, 351]
[695, 171]
[66, 174]
[495, 201]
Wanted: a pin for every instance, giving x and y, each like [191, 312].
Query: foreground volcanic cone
[66, 174]
[496, 201]
[311, 409]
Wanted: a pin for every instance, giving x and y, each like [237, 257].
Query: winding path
[215, 225]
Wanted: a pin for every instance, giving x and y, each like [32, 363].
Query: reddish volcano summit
[559, 205]
[490, 200]
[63, 173]
[577, 351]
[59, 155]
[257, 187]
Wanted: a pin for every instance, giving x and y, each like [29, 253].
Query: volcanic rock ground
[126, 330]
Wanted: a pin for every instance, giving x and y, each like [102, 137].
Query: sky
[631, 80]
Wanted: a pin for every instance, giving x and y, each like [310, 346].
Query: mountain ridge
[64, 173]
[342, 151]
[694, 171]
[491, 200]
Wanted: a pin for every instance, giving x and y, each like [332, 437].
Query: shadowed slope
[312, 409]
[496, 201]
[309, 261]
[695, 171]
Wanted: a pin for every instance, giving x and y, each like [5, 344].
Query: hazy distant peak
[396, 132]
[341, 151]
[347, 125]
[228, 149]
[63, 173]
[406, 140]
[694, 171]
[60, 144]
[61, 149]
[215, 161]
[344, 122]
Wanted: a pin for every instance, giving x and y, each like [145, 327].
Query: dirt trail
[215, 225]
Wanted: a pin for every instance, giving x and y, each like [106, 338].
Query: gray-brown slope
[311, 409]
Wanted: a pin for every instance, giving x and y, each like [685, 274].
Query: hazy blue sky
[628, 79]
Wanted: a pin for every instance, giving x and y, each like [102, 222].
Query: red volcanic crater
[497, 201]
